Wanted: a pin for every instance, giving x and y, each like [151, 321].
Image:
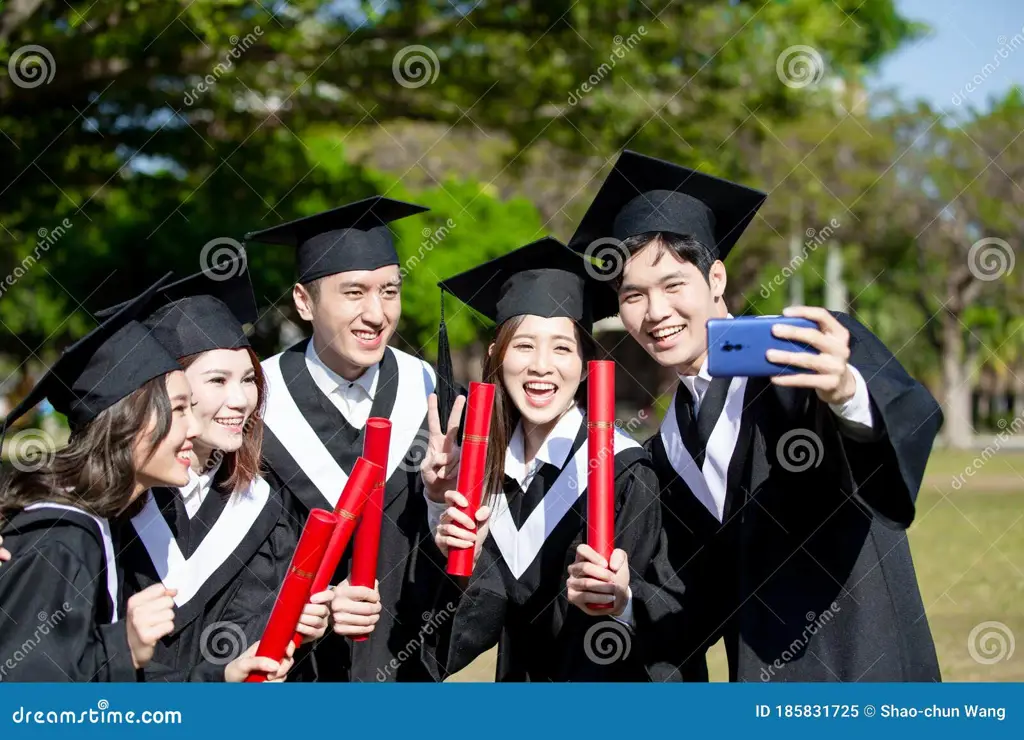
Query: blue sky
[966, 35]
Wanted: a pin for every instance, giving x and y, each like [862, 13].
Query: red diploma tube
[295, 590]
[365, 475]
[601, 460]
[472, 463]
[367, 544]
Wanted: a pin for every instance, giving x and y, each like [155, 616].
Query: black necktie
[696, 429]
[686, 419]
[711, 407]
[522, 503]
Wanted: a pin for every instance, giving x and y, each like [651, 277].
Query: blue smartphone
[736, 347]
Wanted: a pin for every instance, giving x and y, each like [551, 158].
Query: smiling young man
[321, 392]
[785, 499]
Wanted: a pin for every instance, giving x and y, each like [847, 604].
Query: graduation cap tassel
[445, 374]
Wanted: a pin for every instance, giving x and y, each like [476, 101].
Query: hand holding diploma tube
[358, 490]
[472, 466]
[366, 548]
[457, 530]
[601, 461]
[296, 589]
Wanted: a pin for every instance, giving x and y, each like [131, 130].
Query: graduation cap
[541, 279]
[202, 312]
[544, 278]
[113, 360]
[643, 194]
[353, 237]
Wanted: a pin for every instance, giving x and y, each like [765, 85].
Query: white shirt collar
[698, 384]
[194, 492]
[554, 451]
[329, 381]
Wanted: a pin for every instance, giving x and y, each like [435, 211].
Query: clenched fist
[150, 617]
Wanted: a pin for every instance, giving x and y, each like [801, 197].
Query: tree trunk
[835, 286]
[957, 430]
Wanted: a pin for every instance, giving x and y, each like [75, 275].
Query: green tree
[153, 126]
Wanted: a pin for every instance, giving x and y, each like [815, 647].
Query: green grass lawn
[968, 547]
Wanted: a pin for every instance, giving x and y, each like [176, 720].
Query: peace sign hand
[440, 467]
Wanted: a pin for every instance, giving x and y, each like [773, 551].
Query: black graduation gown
[311, 448]
[517, 598]
[809, 576]
[227, 563]
[59, 600]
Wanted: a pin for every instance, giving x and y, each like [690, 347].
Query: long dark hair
[506, 415]
[96, 470]
[242, 466]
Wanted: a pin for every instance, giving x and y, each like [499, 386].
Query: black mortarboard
[643, 194]
[116, 358]
[543, 278]
[352, 237]
[202, 312]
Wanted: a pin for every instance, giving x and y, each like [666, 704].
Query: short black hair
[685, 247]
[313, 288]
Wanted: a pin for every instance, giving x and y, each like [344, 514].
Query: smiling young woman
[544, 395]
[535, 580]
[219, 536]
[228, 392]
[127, 404]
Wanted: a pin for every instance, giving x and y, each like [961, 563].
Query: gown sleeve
[450, 643]
[885, 472]
[658, 613]
[50, 594]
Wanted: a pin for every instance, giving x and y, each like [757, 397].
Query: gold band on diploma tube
[346, 514]
[302, 573]
[601, 424]
[475, 438]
